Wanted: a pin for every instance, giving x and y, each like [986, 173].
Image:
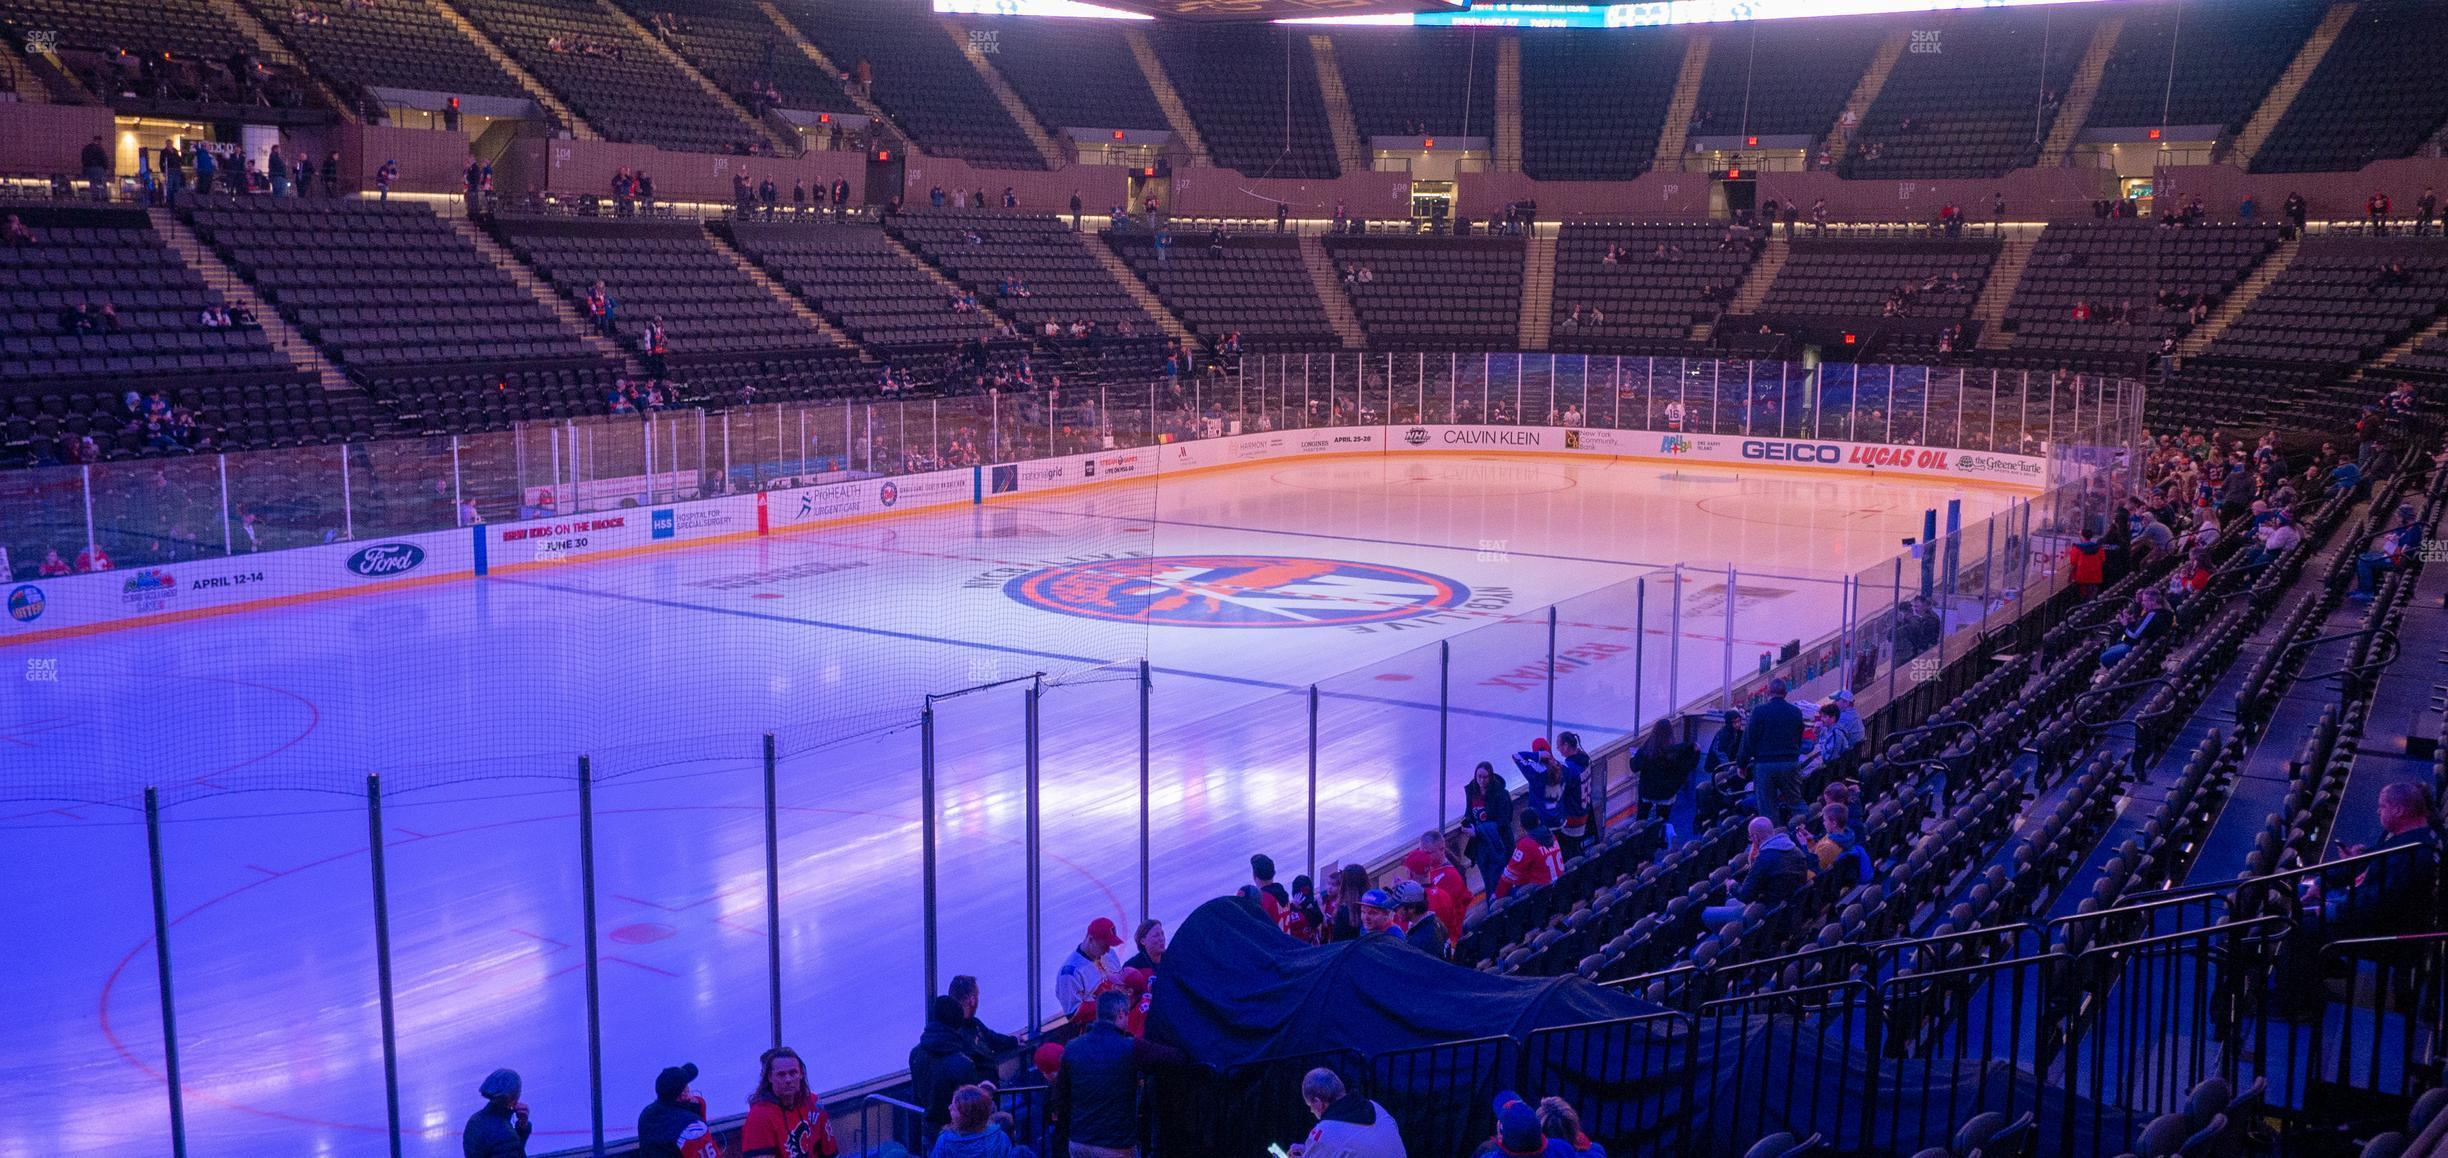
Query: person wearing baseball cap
[1091, 969]
[1518, 1134]
[1377, 911]
[1536, 859]
[674, 1124]
[500, 1129]
[1449, 895]
[1421, 927]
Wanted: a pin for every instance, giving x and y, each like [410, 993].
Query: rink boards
[82, 604]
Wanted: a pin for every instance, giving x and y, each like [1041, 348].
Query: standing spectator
[1075, 210]
[97, 164]
[972, 1131]
[2426, 207]
[1096, 1095]
[799, 202]
[1150, 937]
[1011, 198]
[1997, 212]
[645, 192]
[1349, 1126]
[674, 1124]
[2295, 210]
[2378, 208]
[1376, 912]
[770, 194]
[384, 176]
[784, 1119]
[2247, 209]
[1772, 747]
[304, 178]
[940, 1063]
[1488, 809]
[1662, 765]
[1449, 895]
[276, 167]
[1091, 969]
[331, 174]
[1351, 884]
[1536, 860]
[1303, 920]
[207, 167]
[1262, 874]
[500, 1129]
[985, 1045]
[1422, 928]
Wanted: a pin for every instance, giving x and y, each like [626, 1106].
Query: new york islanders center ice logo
[1237, 591]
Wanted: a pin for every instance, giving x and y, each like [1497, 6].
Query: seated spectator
[1839, 844]
[2140, 622]
[16, 235]
[971, 1131]
[1559, 1121]
[52, 565]
[1519, 1134]
[2392, 551]
[1778, 869]
[93, 558]
[2277, 536]
[1349, 1126]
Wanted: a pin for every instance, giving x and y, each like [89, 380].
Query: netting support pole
[382, 957]
[1674, 646]
[229, 544]
[456, 497]
[1895, 617]
[1728, 650]
[1640, 648]
[1147, 696]
[594, 980]
[1444, 726]
[348, 503]
[161, 954]
[87, 474]
[773, 889]
[1313, 761]
[1034, 801]
[926, 846]
[1552, 674]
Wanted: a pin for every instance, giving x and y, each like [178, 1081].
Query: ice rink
[474, 701]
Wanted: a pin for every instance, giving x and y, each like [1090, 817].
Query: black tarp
[1234, 990]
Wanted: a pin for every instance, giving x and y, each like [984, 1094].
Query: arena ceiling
[1279, 9]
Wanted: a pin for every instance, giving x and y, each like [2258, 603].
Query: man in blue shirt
[1772, 749]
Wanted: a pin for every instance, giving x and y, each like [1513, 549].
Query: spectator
[1536, 859]
[1518, 1133]
[2378, 209]
[1091, 969]
[93, 558]
[1420, 927]
[940, 1063]
[1839, 844]
[784, 1119]
[973, 1133]
[17, 235]
[96, 162]
[1848, 721]
[1262, 874]
[1351, 884]
[383, 177]
[1377, 911]
[1303, 920]
[1349, 1126]
[1772, 748]
[984, 1045]
[1559, 1121]
[1488, 808]
[500, 1129]
[1096, 1094]
[1662, 765]
[1449, 896]
[52, 565]
[2392, 552]
[674, 1124]
[331, 174]
[1778, 869]
[1150, 938]
[2140, 622]
[2393, 896]
[2426, 208]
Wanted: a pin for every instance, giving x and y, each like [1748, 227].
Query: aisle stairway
[1329, 286]
[2004, 274]
[2076, 108]
[1168, 98]
[2256, 131]
[235, 291]
[1538, 289]
[537, 90]
[1350, 151]
[1677, 127]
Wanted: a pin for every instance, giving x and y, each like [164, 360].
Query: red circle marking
[643, 933]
